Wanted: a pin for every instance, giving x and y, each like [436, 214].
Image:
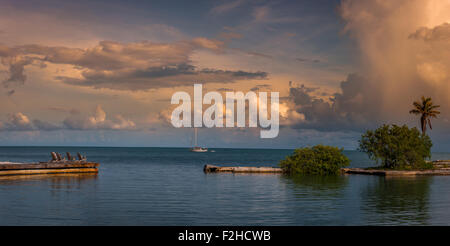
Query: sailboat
[196, 148]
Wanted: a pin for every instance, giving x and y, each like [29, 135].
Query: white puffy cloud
[98, 121]
[18, 121]
[75, 121]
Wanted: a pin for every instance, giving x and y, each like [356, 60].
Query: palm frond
[418, 105]
[434, 106]
[414, 111]
[427, 109]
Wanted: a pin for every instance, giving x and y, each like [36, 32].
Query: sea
[167, 186]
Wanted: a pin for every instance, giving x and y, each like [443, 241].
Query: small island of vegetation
[393, 147]
[397, 147]
[317, 160]
[401, 147]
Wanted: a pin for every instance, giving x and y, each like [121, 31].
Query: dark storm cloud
[437, 33]
[349, 110]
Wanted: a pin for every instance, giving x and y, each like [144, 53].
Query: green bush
[397, 147]
[317, 160]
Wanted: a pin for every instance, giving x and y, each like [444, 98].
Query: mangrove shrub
[317, 160]
[397, 147]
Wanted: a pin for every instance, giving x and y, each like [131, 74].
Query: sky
[102, 73]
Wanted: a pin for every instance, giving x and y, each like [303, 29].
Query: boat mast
[195, 137]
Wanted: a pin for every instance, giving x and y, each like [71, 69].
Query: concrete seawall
[49, 168]
[441, 168]
[217, 169]
[442, 171]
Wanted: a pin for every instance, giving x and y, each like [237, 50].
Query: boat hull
[199, 150]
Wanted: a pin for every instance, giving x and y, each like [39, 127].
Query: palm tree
[426, 109]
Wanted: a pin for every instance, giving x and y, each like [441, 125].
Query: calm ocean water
[166, 186]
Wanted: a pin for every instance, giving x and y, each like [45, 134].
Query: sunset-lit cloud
[400, 60]
[401, 52]
[132, 66]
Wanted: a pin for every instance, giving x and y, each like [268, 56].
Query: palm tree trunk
[423, 124]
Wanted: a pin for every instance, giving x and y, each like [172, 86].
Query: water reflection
[316, 200]
[319, 186]
[400, 200]
[55, 181]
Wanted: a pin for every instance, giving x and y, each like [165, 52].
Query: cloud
[226, 7]
[259, 87]
[97, 121]
[252, 53]
[16, 70]
[5, 51]
[125, 66]
[230, 35]
[308, 60]
[437, 33]
[210, 44]
[264, 14]
[10, 93]
[399, 60]
[110, 55]
[21, 122]
[260, 13]
[45, 126]
[159, 77]
[349, 110]
[18, 121]
[224, 89]
[65, 110]
[402, 54]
